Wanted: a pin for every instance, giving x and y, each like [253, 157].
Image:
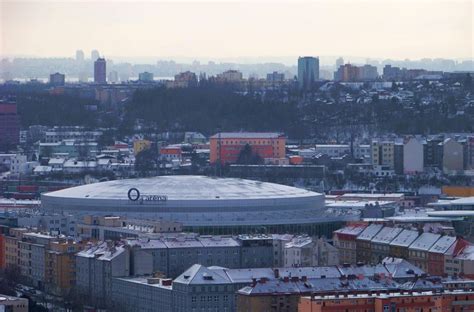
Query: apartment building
[383, 153]
[96, 265]
[419, 249]
[363, 243]
[299, 252]
[115, 228]
[453, 156]
[226, 147]
[32, 250]
[436, 255]
[11, 246]
[406, 301]
[380, 244]
[413, 156]
[399, 245]
[345, 240]
[452, 265]
[60, 275]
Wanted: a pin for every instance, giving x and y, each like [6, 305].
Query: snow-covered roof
[42, 169]
[463, 201]
[199, 274]
[405, 238]
[442, 245]
[299, 242]
[102, 252]
[186, 188]
[425, 241]
[218, 241]
[373, 195]
[386, 235]
[79, 164]
[400, 268]
[351, 230]
[247, 135]
[370, 232]
[467, 253]
[452, 213]
[56, 161]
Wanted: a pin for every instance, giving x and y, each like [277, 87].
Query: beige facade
[383, 153]
[11, 246]
[453, 156]
[13, 304]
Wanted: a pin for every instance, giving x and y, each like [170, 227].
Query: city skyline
[205, 30]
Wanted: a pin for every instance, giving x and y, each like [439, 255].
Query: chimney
[286, 279]
[153, 280]
[277, 273]
[254, 281]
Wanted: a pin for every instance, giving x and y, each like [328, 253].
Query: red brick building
[171, 152]
[450, 301]
[436, 255]
[345, 240]
[226, 147]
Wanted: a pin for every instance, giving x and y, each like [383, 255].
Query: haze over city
[236, 156]
[238, 30]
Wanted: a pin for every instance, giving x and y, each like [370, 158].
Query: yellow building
[60, 266]
[383, 153]
[140, 145]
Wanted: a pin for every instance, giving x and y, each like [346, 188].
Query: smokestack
[277, 273]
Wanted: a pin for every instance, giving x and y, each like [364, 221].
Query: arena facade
[206, 205]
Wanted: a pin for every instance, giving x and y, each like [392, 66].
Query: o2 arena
[202, 204]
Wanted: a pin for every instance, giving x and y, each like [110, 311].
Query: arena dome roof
[196, 202]
[183, 188]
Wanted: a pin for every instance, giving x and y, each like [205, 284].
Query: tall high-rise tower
[79, 55]
[100, 71]
[308, 71]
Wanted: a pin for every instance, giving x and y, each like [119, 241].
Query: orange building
[61, 267]
[226, 147]
[11, 246]
[458, 191]
[171, 152]
[449, 301]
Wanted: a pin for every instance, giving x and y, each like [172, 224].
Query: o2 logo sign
[134, 195]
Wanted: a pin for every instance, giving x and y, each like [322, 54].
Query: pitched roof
[442, 245]
[425, 241]
[370, 232]
[199, 274]
[386, 235]
[405, 238]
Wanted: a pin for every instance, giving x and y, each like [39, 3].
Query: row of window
[225, 298]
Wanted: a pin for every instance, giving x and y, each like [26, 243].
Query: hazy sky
[260, 28]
